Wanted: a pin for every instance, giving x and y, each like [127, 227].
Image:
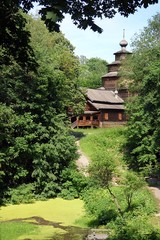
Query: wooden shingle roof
[100, 106]
[111, 74]
[103, 96]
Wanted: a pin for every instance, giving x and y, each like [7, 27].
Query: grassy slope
[107, 141]
[110, 141]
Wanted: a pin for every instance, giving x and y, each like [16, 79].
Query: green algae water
[54, 219]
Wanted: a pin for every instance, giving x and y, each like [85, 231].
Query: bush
[22, 194]
[100, 205]
[137, 228]
[73, 183]
[144, 203]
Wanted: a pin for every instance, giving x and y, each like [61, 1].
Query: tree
[131, 184]
[103, 170]
[91, 71]
[84, 12]
[35, 142]
[143, 144]
[15, 39]
[60, 64]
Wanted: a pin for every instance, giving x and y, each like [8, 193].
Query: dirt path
[83, 161]
[156, 193]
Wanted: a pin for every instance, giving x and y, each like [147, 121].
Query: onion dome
[123, 43]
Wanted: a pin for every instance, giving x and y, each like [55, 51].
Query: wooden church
[105, 106]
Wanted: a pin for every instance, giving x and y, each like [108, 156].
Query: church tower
[109, 80]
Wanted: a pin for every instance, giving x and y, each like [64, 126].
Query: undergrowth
[125, 187]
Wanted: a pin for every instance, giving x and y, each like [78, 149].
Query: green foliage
[102, 169]
[143, 144]
[100, 205]
[58, 63]
[83, 13]
[105, 144]
[117, 195]
[143, 203]
[91, 71]
[35, 140]
[137, 228]
[105, 159]
[132, 183]
[22, 194]
[74, 183]
[14, 38]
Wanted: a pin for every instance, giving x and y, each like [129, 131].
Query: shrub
[22, 194]
[73, 183]
[100, 205]
[137, 228]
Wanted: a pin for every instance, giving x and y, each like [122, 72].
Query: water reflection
[73, 233]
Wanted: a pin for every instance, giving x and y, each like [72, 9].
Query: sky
[92, 44]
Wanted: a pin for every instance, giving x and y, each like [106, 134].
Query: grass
[109, 139]
[106, 141]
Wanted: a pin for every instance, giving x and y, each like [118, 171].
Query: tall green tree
[143, 143]
[14, 38]
[91, 71]
[55, 56]
[35, 142]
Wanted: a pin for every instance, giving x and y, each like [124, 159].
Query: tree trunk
[115, 201]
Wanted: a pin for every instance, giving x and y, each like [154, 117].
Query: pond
[72, 233]
[75, 233]
[69, 232]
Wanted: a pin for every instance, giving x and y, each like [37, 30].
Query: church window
[105, 116]
[120, 116]
[87, 117]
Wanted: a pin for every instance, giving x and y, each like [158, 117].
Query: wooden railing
[88, 123]
[74, 124]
